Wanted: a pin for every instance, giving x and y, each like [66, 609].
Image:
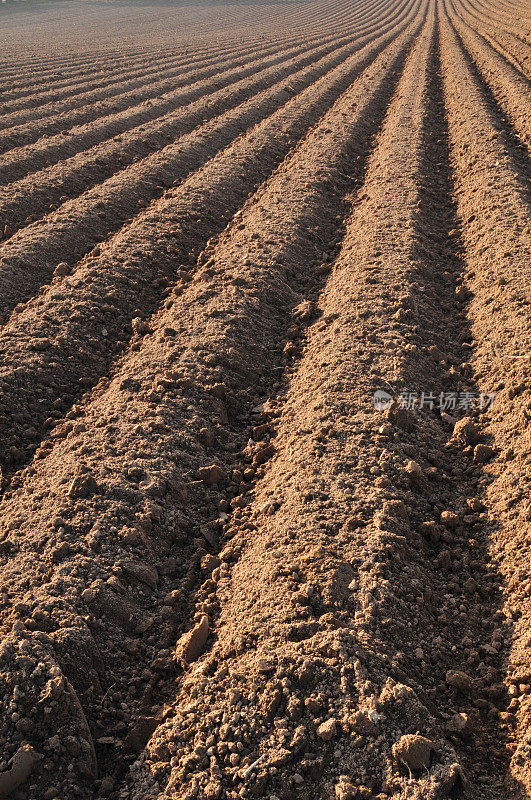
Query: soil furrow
[35, 194]
[96, 103]
[124, 94]
[82, 67]
[110, 651]
[510, 90]
[106, 288]
[180, 26]
[335, 684]
[254, 24]
[519, 62]
[18, 162]
[28, 253]
[33, 98]
[497, 236]
[127, 86]
[45, 103]
[517, 59]
[519, 147]
[495, 16]
[52, 85]
[74, 70]
[516, 51]
[131, 70]
[513, 47]
[102, 118]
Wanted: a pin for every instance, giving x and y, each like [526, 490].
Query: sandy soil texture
[265, 407]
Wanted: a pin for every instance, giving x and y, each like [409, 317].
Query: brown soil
[226, 572]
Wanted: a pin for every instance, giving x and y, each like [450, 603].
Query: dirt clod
[191, 644]
[414, 751]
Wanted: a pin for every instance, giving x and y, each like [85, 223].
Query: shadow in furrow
[84, 371]
[463, 589]
[305, 276]
[516, 149]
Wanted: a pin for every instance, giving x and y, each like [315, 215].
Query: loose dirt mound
[265, 410]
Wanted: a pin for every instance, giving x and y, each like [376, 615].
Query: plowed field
[265, 407]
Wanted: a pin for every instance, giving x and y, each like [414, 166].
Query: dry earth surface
[225, 571]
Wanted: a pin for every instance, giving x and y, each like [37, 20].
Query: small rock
[459, 724]
[62, 269]
[327, 729]
[400, 417]
[140, 326]
[87, 595]
[413, 750]
[83, 486]
[212, 474]
[209, 563]
[482, 453]
[191, 644]
[449, 519]
[475, 504]
[459, 680]
[344, 789]
[465, 432]
[361, 723]
[264, 454]
[414, 470]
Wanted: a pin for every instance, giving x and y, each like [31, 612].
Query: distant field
[265, 413]
[48, 26]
